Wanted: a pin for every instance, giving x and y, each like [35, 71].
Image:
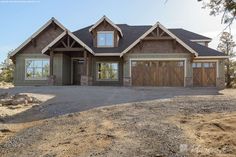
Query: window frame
[105, 32]
[36, 59]
[107, 80]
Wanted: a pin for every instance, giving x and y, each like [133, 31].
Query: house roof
[189, 38]
[36, 34]
[133, 33]
[67, 32]
[109, 21]
[130, 34]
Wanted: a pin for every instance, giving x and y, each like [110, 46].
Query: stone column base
[188, 82]
[51, 80]
[220, 83]
[85, 80]
[127, 81]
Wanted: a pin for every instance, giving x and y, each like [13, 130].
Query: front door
[77, 71]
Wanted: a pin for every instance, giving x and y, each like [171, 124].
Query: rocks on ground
[7, 99]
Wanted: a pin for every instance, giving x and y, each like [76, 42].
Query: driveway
[70, 99]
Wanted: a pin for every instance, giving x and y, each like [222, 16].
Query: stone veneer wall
[127, 81]
[188, 82]
[220, 82]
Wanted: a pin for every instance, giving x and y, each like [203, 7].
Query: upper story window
[105, 39]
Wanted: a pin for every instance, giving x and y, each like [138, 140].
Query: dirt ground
[194, 125]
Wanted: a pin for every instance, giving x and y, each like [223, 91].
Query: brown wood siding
[42, 40]
[157, 73]
[104, 26]
[204, 76]
[107, 59]
[159, 46]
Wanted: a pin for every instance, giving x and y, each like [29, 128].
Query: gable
[105, 26]
[35, 43]
[159, 36]
[107, 20]
[158, 41]
[42, 40]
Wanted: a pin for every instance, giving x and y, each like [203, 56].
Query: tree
[7, 68]
[225, 7]
[226, 46]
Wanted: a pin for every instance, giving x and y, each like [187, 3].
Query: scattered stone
[18, 99]
[6, 102]
[4, 130]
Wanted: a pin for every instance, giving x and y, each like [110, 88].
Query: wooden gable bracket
[68, 41]
[162, 33]
[158, 31]
[73, 43]
[153, 34]
[64, 44]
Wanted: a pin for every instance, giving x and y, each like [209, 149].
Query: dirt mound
[212, 134]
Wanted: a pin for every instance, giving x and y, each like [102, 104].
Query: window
[105, 39]
[197, 65]
[36, 69]
[107, 71]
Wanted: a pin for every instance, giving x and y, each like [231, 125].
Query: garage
[157, 73]
[204, 74]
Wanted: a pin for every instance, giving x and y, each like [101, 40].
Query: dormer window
[105, 39]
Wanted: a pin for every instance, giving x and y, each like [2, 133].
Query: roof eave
[109, 21]
[213, 57]
[35, 34]
[167, 31]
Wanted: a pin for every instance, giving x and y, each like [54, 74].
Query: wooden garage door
[204, 74]
[157, 73]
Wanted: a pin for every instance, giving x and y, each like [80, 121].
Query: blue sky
[20, 20]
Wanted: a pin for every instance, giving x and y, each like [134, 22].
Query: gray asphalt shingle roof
[132, 33]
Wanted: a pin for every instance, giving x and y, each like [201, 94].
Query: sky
[19, 19]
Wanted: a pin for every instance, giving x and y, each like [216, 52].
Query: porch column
[84, 78]
[51, 77]
[85, 63]
[51, 62]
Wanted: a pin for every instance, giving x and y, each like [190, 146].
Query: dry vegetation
[184, 125]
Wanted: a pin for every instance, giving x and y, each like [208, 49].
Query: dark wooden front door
[77, 71]
[204, 74]
[157, 73]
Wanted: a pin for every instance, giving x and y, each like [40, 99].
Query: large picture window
[36, 69]
[105, 39]
[107, 71]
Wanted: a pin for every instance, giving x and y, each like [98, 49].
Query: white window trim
[212, 61]
[27, 59]
[107, 80]
[105, 32]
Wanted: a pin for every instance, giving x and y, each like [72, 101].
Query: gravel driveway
[70, 99]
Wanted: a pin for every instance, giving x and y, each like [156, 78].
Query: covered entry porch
[70, 61]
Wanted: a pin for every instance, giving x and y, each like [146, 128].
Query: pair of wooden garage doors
[171, 73]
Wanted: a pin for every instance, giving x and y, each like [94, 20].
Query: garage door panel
[157, 73]
[204, 74]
